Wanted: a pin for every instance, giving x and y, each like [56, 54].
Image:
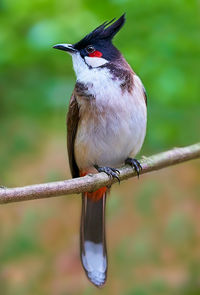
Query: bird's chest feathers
[97, 88]
[109, 117]
[102, 104]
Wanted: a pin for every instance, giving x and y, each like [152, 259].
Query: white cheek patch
[95, 62]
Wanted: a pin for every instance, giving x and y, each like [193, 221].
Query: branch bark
[93, 182]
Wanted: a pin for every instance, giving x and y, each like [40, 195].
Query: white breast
[112, 126]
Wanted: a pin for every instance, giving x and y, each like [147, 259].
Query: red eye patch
[96, 53]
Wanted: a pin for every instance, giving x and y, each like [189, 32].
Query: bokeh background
[152, 224]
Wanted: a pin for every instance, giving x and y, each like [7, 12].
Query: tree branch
[93, 182]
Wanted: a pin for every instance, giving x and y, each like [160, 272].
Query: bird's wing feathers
[72, 125]
[145, 95]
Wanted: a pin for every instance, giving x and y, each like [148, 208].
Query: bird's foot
[111, 172]
[134, 164]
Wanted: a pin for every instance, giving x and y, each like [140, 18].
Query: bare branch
[93, 182]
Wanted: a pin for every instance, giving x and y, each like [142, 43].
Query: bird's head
[96, 48]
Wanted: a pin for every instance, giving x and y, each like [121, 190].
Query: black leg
[135, 164]
[111, 172]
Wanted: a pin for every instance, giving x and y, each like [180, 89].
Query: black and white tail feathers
[92, 240]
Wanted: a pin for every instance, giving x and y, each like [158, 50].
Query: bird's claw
[111, 172]
[134, 164]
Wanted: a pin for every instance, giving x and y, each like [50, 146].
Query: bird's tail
[92, 237]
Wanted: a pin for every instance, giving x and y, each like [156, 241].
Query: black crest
[106, 31]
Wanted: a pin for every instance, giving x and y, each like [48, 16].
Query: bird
[106, 127]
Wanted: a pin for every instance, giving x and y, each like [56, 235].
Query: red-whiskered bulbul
[106, 126]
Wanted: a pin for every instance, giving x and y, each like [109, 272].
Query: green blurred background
[152, 224]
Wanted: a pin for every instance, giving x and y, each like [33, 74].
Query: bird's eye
[90, 49]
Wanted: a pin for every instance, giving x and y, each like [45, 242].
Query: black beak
[65, 47]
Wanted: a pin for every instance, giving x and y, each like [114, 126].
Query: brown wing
[72, 125]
